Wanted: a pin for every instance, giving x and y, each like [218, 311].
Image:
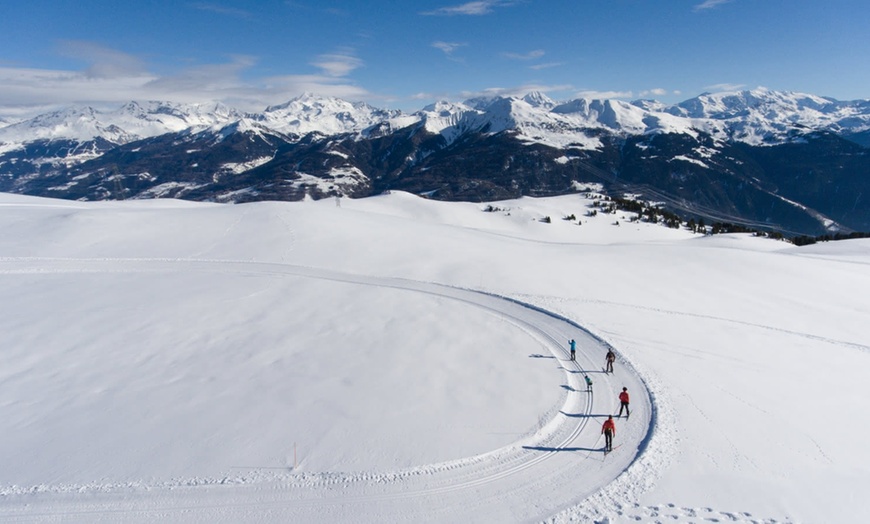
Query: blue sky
[406, 54]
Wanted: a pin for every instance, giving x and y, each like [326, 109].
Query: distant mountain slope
[778, 160]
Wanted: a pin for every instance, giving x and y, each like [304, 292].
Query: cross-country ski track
[531, 479]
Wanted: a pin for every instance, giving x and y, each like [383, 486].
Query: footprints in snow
[671, 513]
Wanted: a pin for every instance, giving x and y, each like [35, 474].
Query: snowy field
[396, 359]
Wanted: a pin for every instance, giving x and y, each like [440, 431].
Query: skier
[588, 383]
[611, 356]
[608, 429]
[623, 403]
[573, 349]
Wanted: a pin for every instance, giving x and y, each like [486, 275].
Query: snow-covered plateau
[396, 359]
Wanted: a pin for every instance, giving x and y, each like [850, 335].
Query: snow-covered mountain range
[703, 156]
[132, 121]
[756, 117]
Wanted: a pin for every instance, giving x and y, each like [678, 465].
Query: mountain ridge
[329, 115]
[730, 154]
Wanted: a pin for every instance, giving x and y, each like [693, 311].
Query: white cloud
[517, 91]
[209, 77]
[221, 10]
[104, 62]
[422, 96]
[604, 94]
[40, 87]
[282, 88]
[653, 92]
[447, 47]
[337, 64]
[479, 7]
[531, 55]
[548, 65]
[113, 78]
[709, 4]
[725, 87]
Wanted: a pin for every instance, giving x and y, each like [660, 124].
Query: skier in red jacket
[623, 403]
[608, 429]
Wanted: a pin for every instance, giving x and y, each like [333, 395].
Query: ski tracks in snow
[559, 468]
[810, 336]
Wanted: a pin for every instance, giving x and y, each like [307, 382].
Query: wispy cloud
[658, 91]
[586, 93]
[520, 90]
[478, 7]
[448, 47]
[283, 88]
[547, 65]
[337, 64]
[709, 4]
[209, 78]
[531, 55]
[113, 77]
[39, 88]
[103, 62]
[221, 10]
[333, 11]
[422, 96]
[724, 87]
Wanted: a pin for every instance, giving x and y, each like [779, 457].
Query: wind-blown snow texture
[276, 362]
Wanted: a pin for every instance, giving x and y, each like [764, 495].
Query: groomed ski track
[529, 480]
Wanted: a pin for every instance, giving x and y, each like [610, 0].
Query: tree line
[654, 214]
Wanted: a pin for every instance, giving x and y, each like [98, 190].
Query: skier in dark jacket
[623, 403]
[611, 356]
[608, 429]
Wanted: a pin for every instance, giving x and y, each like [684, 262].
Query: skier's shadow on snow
[541, 448]
[583, 371]
[583, 415]
[569, 388]
[538, 355]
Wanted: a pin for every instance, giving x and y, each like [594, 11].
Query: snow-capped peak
[76, 123]
[763, 116]
[538, 99]
[131, 121]
[449, 119]
[733, 104]
[757, 116]
[443, 108]
[328, 115]
[222, 131]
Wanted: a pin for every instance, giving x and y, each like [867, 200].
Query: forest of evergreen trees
[654, 214]
[804, 240]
